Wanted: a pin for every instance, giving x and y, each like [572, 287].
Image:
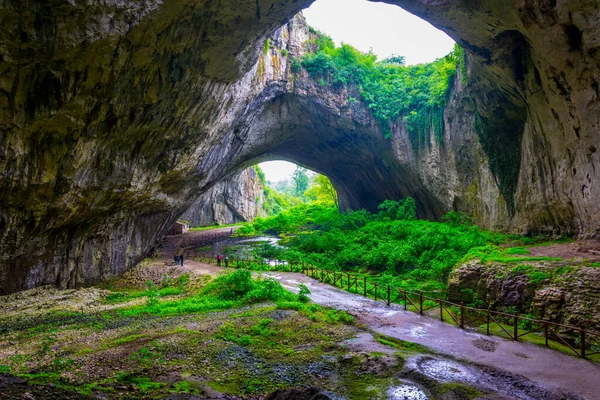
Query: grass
[534, 338]
[147, 341]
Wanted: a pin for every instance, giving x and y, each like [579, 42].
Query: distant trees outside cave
[304, 186]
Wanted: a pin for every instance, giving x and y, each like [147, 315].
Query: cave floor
[547, 367]
[78, 342]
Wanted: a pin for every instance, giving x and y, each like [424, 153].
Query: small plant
[149, 356]
[267, 45]
[303, 293]
[183, 280]
[182, 387]
[47, 343]
[166, 281]
[296, 65]
[517, 250]
[284, 52]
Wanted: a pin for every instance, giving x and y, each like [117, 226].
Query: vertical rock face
[566, 294]
[116, 116]
[233, 200]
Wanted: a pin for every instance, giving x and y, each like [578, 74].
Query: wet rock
[485, 344]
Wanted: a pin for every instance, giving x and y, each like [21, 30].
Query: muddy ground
[76, 344]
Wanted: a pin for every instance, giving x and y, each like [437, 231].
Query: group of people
[179, 259]
[221, 259]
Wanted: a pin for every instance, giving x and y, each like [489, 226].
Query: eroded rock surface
[115, 117]
[553, 291]
[233, 200]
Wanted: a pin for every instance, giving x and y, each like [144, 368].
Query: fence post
[462, 314]
[516, 326]
[420, 302]
[488, 323]
[388, 301]
[405, 300]
[365, 288]
[582, 343]
[375, 292]
[348, 276]
[546, 333]
[441, 310]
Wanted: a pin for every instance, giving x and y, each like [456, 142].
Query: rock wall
[558, 293]
[230, 201]
[116, 116]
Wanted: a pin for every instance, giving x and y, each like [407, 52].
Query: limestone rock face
[116, 116]
[565, 295]
[233, 200]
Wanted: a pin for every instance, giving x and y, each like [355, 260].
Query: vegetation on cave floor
[391, 246]
[231, 334]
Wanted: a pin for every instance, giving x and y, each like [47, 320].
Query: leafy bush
[296, 65]
[303, 293]
[392, 240]
[456, 218]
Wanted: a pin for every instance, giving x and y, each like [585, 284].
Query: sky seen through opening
[383, 28]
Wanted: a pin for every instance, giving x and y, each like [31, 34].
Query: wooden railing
[578, 340]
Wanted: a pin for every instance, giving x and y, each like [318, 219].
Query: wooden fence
[579, 340]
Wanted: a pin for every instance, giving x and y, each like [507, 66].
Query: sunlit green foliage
[390, 89]
[391, 241]
[321, 190]
[301, 181]
[276, 202]
[229, 290]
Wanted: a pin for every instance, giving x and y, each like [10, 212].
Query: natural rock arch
[114, 117]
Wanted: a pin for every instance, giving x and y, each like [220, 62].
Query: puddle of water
[406, 392]
[268, 239]
[445, 370]
[418, 332]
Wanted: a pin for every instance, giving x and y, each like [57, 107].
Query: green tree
[301, 181]
[322, 190]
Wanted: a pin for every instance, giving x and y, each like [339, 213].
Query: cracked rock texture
[566, 295]
[233, 200]
[116, 116]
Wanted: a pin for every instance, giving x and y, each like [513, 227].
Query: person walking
[181, 259]
[226, 262]
[176, 258]
[219, 258]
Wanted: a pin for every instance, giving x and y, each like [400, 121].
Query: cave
[115, 118]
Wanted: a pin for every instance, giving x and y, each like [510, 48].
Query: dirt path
[550, 369]
[577, 251]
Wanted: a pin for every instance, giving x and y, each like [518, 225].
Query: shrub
[296, 65]
[303, 293]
